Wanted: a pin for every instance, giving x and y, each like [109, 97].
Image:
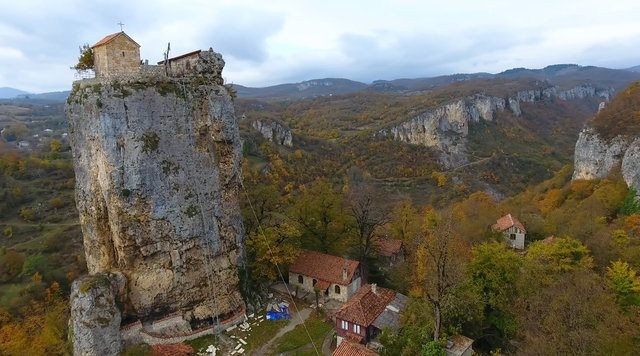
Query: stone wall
[119, 56]
[136, 333]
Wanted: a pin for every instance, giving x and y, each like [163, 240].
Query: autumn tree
[405, 222]
[494, 270]
[624, 282]
[367, 217]
[271, 247]
[86, 58]
[440, 268]
[574, 315]
[547, 260]
[319, 212]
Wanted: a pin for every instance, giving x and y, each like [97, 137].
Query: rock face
[445, 128]
[157, 165]
[95, 318]
[595, 157]
[274, 132]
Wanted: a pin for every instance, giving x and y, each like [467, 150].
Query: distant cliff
[274, 131]
[612, 139]
[157, 164]
[446, 127]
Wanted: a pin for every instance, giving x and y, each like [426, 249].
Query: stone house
[367, 313]
[116, 54]
[459, 345]
[512, 230]
[183, 64]
[390, 251]
[336, 277]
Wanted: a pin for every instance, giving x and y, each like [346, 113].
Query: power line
[260, 230]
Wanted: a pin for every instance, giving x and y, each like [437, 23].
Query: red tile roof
[172, 350]
[506, 222]
[111, 37]
[365, 306]
[324, 267]
[348, 348]
[389, 247]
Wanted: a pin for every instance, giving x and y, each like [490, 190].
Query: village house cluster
[360, 311]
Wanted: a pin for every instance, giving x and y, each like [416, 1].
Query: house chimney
[344, 273]
[374, 288]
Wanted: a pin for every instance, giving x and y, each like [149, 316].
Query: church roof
[111, 37]
[506, 222]
[324, 267]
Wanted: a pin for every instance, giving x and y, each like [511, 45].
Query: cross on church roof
[121, 24]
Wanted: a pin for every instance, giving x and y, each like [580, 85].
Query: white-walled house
[336, 277]
[513, 231]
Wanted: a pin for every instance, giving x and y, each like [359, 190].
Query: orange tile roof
[365, 306]
[348, 348]
[112, 36]
[324, 267]
[389, 247]
[322, 285]
[172, 350]
[506, 222]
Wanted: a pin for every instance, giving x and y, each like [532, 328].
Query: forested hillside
[339, 189]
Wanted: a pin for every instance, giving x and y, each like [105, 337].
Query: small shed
[459, 345]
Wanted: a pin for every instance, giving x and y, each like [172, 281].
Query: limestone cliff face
[157, 164]
[445, 128]
[274, 132]
[95, 317]
[595, 157]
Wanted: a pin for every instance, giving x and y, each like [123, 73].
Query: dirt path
[296, 319]
[326, 345]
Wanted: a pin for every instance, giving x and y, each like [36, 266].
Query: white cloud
[292, 40]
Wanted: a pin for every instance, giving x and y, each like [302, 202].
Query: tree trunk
[436, 329]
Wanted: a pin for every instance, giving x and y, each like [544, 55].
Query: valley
[420, 154]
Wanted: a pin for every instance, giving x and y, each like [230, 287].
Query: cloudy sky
[271, 42]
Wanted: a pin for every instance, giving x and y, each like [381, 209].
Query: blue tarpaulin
[281, 314]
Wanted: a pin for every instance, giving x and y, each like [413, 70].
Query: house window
[512, 236]
[337, 289]
[300, 279]
[344, 325]
[314, 282]
[356, 328]
[123, 53]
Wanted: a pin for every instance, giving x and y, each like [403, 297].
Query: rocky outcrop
[595, 157]
[445, 128]
[157, 166]
[95, 317]
[274, 132]
[533, 95]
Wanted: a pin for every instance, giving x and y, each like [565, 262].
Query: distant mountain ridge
[565, 76]
[8, 93]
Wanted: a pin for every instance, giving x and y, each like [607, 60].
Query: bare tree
[441, 258]
[367, 218]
